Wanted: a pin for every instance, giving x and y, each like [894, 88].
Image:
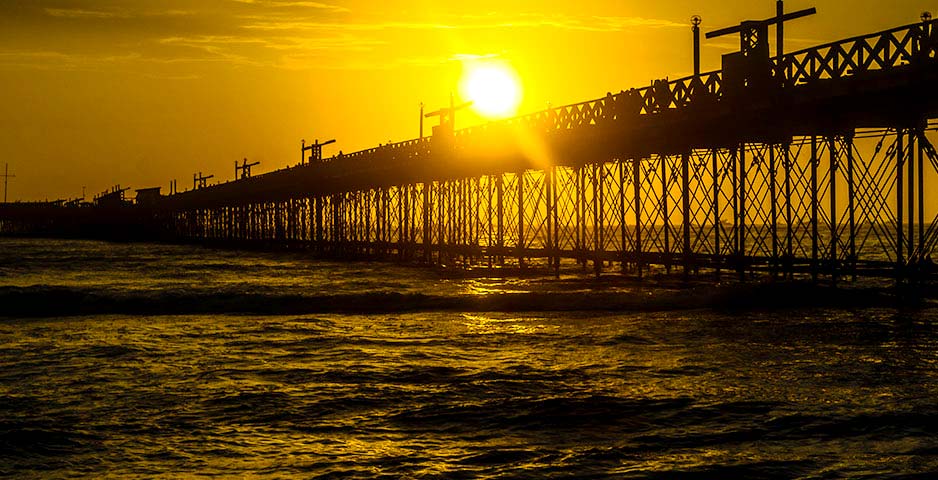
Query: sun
[493, 88]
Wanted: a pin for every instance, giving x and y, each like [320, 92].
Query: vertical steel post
[900, 211]
[665, 212]
[476, 201]
[737, 204]
[685, 209]
[379, 221]
[696, 31]
[851, 205]
[780, 30]
[597, 218]
[427, 228]
[548, 199]
[743, 210]
[637, 190]
[623, 231]
[911, 161]
[401, 222]
[835, 220]
[789, 220]
[441, 221]
[319, 219]
[921, 192]
[580, 204]
[462, 224]
[773, 205]
[555, 214]
[521, 245]
[815, 240]
[717, 224]
[488, 216]
[500, 235]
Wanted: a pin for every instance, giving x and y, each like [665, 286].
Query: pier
[819, 162]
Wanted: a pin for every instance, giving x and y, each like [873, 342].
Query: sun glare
[493, 88]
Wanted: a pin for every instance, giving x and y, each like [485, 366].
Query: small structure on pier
[112, 198]
[447, 126]
[243, 171]
[148, 197]
[199, 181]
[750, 69]
[315, 151]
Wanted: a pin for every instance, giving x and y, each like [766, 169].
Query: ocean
[164, 361]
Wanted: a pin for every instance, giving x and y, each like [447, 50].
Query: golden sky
[140, 92]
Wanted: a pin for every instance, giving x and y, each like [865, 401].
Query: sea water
[143, 361]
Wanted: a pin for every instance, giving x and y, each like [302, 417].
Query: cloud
[288, 34]
[470, 57]
[295, 4]
[465, 22]
[55, 60]
[82, 13]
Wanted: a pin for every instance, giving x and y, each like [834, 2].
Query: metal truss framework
[840, 205]
[796, 195]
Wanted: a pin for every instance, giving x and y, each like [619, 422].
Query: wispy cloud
[295, 4]
[288, 34]
[471, 57]
[83, 13]
[55, 60]
[589, 23]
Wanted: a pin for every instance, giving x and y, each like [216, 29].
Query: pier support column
[717, 223]
[815, 239]
[685, 209]
[598, 174]
[500, 219]
[789, 221]
[549, 215]
[913, 251]
[666, 211]
[835, 220]
[743, 212]
[851, 206]
[427, 228]
[521, 243]
[623, 229]
[637, 191]
[773, 197]
[900, 238]
[580, 226]
[920, 134]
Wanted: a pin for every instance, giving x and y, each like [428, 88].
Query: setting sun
[493, 88]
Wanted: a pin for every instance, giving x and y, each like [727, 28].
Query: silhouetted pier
[815, 162]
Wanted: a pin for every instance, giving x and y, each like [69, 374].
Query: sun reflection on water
[483, 325]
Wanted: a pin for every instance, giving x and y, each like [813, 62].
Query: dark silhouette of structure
[812, 162]
[6, 180]
[200, 181]
[315, 151]
[112, 198]
[243, 171]
[447, 117]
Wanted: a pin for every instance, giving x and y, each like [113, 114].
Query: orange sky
[140, 92]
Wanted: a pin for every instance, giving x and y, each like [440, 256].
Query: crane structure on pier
[315, 151]
[243, 170]
[806, 163]
[447, 116]
[200, 181]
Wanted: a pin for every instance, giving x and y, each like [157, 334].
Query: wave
[41, 301]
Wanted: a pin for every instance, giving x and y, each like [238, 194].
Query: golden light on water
[493, 87]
